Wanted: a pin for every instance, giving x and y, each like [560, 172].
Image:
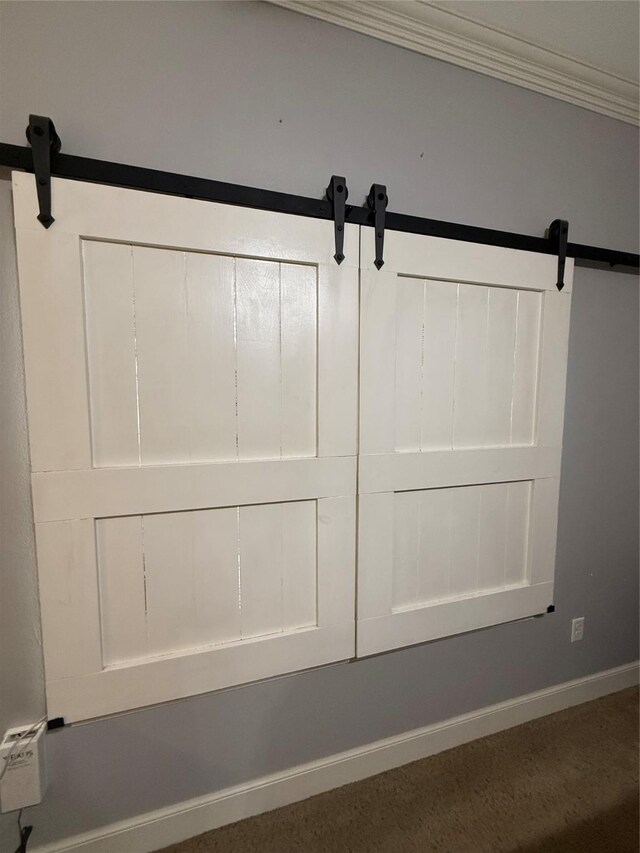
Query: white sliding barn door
[463, 360]
[192, 398]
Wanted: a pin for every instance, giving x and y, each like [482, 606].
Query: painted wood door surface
[192, 399]
[462, 374]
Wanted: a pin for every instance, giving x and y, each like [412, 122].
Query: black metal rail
[169, 183]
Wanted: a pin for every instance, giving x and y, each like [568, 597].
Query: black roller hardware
[337, 194]
[377, 201]
[558, 237]
[45, 159]
[44, 140]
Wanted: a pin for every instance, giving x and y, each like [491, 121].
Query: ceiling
[585, 52]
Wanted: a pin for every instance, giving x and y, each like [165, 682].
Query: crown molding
[433, 31]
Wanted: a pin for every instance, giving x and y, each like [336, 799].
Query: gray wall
[254, 94]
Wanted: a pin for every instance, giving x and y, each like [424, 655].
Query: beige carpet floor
[567, 783]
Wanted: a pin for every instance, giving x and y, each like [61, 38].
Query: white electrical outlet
[577, 629]
[22, 768]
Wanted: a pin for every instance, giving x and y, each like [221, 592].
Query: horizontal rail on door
[188, 186]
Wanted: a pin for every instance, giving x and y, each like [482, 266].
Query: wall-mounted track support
[151, 180]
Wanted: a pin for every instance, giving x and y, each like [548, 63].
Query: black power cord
[25, 832]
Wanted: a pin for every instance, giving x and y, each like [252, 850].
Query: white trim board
[157, 829]
[449, 36]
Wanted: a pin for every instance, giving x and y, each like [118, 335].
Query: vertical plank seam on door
[422, 365]
[195, 599]
[281, 517]
[316, 563]
[85, 316]
[187, 359]
[394, 326]
[484, 422]
[485, 406]
[450, 537]
[455, 365]
[420, 499]
[506, 524]
[135, 361]
[356, 564]
[449, 496]
[480, 502]
[542, 315]
[317, 365]
[237, 425]
[239, 564]
[530, 509]
[481, 488]
[96, 552]
[513, 377]
[144, 585]
[280, 381]
[235, 383]
[317, 439]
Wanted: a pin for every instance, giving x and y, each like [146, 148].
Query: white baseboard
[153, 830]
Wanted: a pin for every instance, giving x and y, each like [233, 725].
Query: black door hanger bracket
[337, 193]
[44, 158]
[44, 140]
[377, 201]
[558, 237]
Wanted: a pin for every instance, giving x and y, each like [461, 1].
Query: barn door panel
[192, 399]
[463, 362]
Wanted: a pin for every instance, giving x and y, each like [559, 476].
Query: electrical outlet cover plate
[577, 629]
[22, 767]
